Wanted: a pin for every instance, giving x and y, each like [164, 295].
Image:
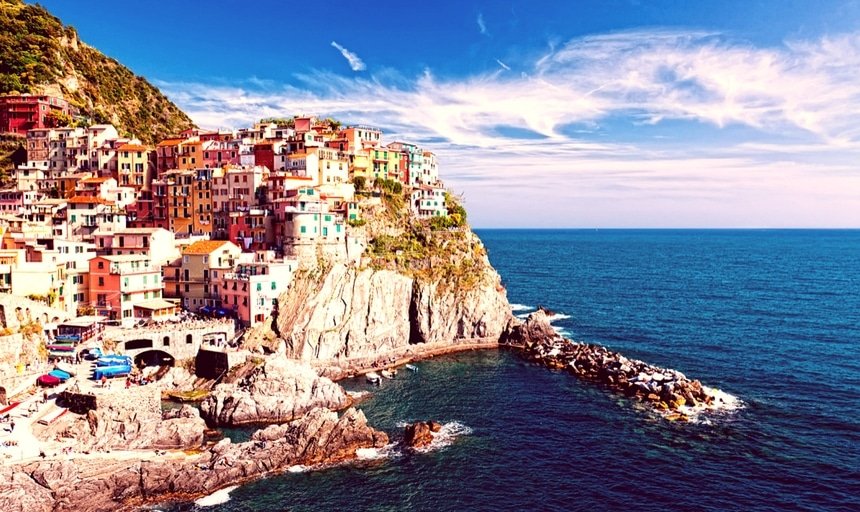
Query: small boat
[388, 374]
[411, 368]
[373, 377]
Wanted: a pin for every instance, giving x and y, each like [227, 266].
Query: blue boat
[120, 370]
[113, 360]
[60, 374]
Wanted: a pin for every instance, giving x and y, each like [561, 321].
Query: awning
[155, 304]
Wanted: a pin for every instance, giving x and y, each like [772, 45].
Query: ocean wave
[386, 452]
[557, 316]
[522, 316]
[702, 413]
[521, 307]
[216, 498]
[561, 331]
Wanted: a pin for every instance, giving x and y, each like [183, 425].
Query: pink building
[117, 283]
[252, 289]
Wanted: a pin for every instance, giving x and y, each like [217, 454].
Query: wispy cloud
[355, 61]
[552, 134]
[503, 65]
[482, 26]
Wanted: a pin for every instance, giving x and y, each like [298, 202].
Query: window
[274, 285]
[189, 339]
[101, 264]
[259, 287]
[166, 341]
[101, 279]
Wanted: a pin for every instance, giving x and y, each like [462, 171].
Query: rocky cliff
[421, 288]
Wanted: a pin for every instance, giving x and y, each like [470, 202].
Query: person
[104, 381]
[45, 397]
[12, 429]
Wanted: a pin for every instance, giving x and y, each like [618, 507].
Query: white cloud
[355, 61]
[503, 65]
[482, 27]
[550, 137]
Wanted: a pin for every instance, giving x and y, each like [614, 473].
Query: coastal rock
[344, 314]
[131, 419]
[664, 389]
[420, 434]
[536, 329]
[91, 485]
[277, 391]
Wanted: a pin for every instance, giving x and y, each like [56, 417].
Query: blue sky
[543, 114]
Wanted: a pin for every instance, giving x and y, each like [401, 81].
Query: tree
[360, 182]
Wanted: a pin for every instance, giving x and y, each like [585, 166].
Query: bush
[360, 182]
[356, 223]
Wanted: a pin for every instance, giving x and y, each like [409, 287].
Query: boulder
[420, 433]
[277, 391]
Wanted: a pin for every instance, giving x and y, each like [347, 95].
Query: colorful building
[117, 283]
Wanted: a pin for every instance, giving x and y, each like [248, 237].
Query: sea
[771, 317]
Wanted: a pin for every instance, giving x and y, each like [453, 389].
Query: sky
[589, 114]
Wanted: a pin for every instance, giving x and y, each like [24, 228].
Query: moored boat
[373, 377]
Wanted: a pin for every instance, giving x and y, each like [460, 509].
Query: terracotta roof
[204, 246]
[171, 142]
[132, 147]
[87, 200]
[94, 180]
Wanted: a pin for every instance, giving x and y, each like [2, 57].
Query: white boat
[373, 377]
[388, 374]
[411, 368]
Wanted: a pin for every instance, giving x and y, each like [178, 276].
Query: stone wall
[181, 341]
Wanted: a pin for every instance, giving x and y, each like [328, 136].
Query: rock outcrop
[132, 419]
[420, 434]
[349, 314]
[89, 485]
[662, 388]
[277, 391]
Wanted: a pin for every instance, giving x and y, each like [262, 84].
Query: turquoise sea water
[772, 317]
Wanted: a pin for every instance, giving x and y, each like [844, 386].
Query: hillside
[38, 54]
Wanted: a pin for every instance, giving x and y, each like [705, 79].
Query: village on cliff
[162, 249]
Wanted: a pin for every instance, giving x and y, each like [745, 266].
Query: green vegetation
[441, 250]
[39, 55]
[356, 223]
[360, 182]
[289, 122]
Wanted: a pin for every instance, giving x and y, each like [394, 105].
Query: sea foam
[521, 307]
[216, 498]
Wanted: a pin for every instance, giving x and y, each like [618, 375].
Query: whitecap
[385, 452]
[298, 468]
[521, 307]
[216, 498]
[557, 316]
[522, 316]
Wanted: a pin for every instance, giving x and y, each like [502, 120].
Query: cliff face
[347, 313]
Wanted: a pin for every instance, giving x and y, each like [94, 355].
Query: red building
[19, 113]
[264, 154]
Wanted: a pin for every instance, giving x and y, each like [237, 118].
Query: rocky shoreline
[105, 484]
[306, 429]
[663, 389]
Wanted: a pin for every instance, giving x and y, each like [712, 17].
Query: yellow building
[361, 164]
[133, 167]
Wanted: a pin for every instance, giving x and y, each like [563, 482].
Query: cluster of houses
[208, 221]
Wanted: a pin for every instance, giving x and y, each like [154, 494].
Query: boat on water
[411, 367]
[388, 374]
[373, 377]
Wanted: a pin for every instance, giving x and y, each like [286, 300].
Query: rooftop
[204, 246]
